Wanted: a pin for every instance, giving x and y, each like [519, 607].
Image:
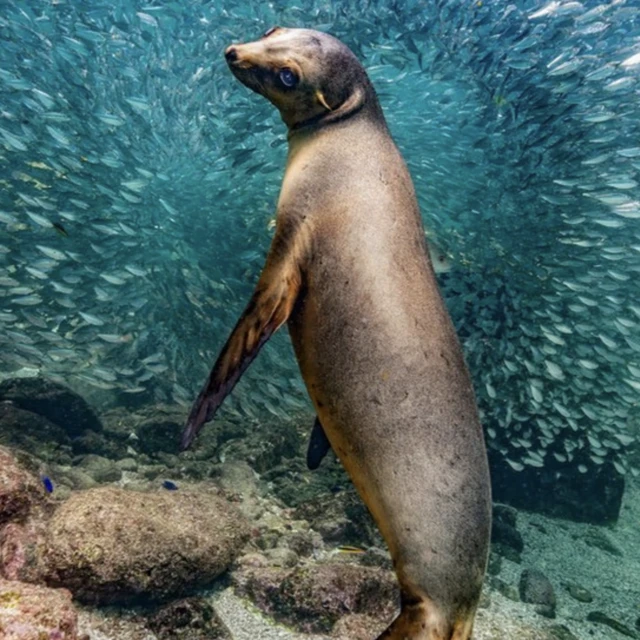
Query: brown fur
[375, 344]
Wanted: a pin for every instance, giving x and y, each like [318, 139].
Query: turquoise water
[139, 181]
[138, 184]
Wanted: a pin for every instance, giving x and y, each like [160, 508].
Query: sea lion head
[310, 76]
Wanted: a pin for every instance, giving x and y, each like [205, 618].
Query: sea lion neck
[361, 104]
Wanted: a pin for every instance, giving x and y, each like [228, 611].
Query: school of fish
[138, 189]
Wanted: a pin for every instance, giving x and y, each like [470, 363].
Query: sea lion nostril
[231, 54]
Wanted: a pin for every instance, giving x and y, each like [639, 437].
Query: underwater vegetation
[138, 187]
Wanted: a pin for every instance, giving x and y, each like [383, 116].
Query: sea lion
[348, 270]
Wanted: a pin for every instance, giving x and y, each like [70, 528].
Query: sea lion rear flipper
[319, 445]
[269, 308]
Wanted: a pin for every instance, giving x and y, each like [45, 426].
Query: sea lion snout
[231, 54]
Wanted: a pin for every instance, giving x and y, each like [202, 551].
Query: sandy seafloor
[554, 546]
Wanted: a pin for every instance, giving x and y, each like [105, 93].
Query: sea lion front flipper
[269, 308]
[319, 445]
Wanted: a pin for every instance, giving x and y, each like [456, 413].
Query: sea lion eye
[288, 78]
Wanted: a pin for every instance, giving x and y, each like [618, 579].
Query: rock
[169, 460]
[507, 590]
[264, 448]
[152, 471]
[79, 479]
[99, 444]
[505, 514]
[579, 593]
[282, 557]
[561, 632]
[485, 599]
[376, 557]
[314, 597]
[304, 543]
[546, 610]
[112, 545]
[20, 546]
[31, 432]
[602, 618]
[252, 560]
[507, 552]
[20, 490]
[341, 518]
[535, 588]
[599, 539]
[31, 612]
[558, 489]
[236, 476]
[101, 469]
[62, 492]
[295, 485]
[358, 627]
[54, 401]
[157, 428]
[127, 464]
[504, 530]
[158, 435]
[495, 564]
[189, 618]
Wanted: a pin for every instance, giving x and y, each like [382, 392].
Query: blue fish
[47, 483]
[170, 486]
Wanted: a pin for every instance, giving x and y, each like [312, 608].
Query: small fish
[112, 279]
[110, 119]
[115, 338]
[47, 484]
[135, 270]
[168, 208]
[139, 104]
[91, 319]
[135, 185]
[60, 229]
[38, 219]
[169, 486]
[28, 300]
[349, 549]
[54, 254]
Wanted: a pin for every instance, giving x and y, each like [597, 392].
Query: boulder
[30, 431]
[101, 469]
[314, 597]
[505, 538]
[157, 428]
[52, 400]
[356, 626]
[20, 548]
[32, 612]
[109, 545]
[264, 448]
[558, 489]
[535, 588]
[341, 518]
[20, 490]
[188, 619]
